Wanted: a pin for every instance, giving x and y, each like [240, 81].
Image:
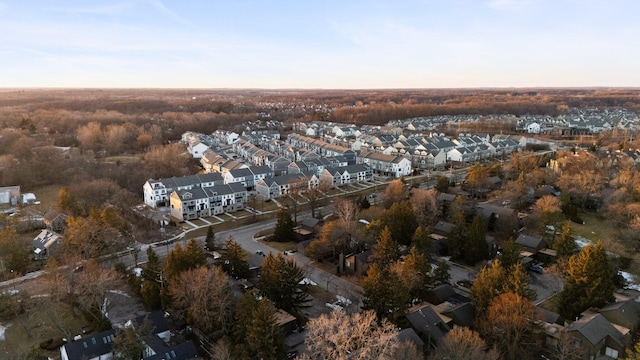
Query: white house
[533, 128]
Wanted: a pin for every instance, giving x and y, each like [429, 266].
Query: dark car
[537, 268]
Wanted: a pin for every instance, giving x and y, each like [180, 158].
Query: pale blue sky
[319, 43]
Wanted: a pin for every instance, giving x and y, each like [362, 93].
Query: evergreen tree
[195, 254]
[443, 184]
[281, 280]
[384, 293]
[415, 274]
[233, 260]
[264, 337]
[590, 281]
[152, 270]
[283, 231]
[386, 251]
[489, 283]
[210, 240]
[401, 221]
[245, 306]
[510, 253]
[565, 245]
[518, 282]
[441, 274]
[475, 244]
[422, 241]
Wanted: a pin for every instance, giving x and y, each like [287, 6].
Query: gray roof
[91, 347]
[428, 323]
[530, 241]
[595, 328]
[184, 351]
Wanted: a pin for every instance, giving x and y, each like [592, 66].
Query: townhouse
[189, 204]
[157, 192]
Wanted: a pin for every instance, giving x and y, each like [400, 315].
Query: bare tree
[357, 336]
[462, 343]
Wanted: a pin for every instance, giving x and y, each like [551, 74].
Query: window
[612, 353]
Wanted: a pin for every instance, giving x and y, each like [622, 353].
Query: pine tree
[488, 284]
[264, 338]
[386, 251]
[415, 274]
[422, 241]
[233, 260]
[590, 281]
[441, 274]
[518, 282]
[510, 253]
[384, 293]
[283, 231]
[401, 221]
[281, 280]
[565, 245]
[195, 254]
[210, 240]
[475, 244]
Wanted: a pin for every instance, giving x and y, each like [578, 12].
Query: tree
[441, 274]
[205, 298]
[488, 284]
[475, 244]
[422, 241]
[210, 239]
[386, 251]
[518, 282]
[590, 281]
[179, 260]
[129, 342]
[13, 252]
[264, 337]
[462, 343]
[401, 222]
[442, 185]
[281, 280]
[91, 288]
[477, 178]
[68, 203]
[283, 231]
[565, 245]
[549, 209]
[395, 192]
[510, 253]
[355, 336]
[384, 293]
[152, 281]
[509, 321]
[233, 259]
[415, 274]
[425, 205]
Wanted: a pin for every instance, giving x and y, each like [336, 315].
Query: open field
[40, 318]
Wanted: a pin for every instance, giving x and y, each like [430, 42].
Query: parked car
[537, 268]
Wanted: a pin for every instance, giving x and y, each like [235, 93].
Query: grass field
[48, 197]
[18, 342]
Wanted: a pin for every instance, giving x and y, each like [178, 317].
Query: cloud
[158, 5]
[511, 5]
[112, 9]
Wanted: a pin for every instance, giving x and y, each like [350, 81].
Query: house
[100, 346]
[428, 324]
[270, 188]
[96, 347]
[499, 218]
[9, 195]
[531, 243]
[393, 165]
[346, 175]
[207, 201]
[196, 149]
[44, 243]
[624, 313]
[55, 221]
[356, 263]
[593, 335]
[157, 192]
[533, 128]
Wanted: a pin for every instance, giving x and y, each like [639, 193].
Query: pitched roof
[90, 347]
[596, 328]
[184, 351]
[427, 322]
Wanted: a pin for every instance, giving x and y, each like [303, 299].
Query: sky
[319, 44]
